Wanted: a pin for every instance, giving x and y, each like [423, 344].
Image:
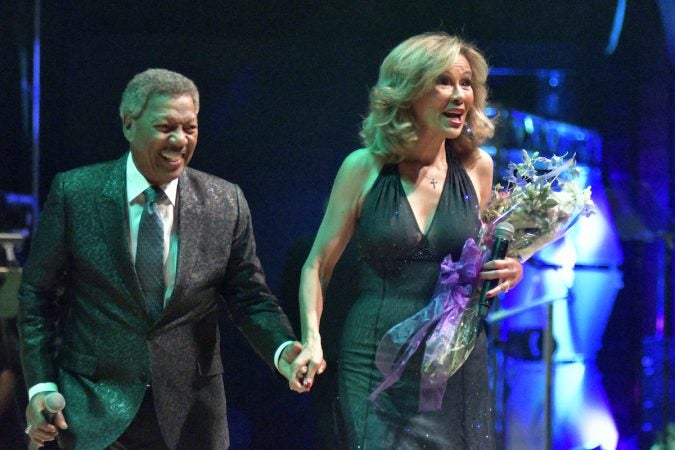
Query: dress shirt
[136, 184]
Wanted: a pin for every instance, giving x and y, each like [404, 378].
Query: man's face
[164, 137]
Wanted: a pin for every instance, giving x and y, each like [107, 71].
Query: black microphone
[503, 234]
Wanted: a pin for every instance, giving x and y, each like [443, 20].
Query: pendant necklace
[432, 180]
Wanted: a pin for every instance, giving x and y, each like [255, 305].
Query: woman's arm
[355, 177]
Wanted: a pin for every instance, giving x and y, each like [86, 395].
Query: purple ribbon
[457, 280]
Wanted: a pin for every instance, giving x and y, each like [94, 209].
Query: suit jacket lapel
[112, 214]
[190, 220]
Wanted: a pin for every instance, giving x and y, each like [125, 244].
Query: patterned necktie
[150, 254]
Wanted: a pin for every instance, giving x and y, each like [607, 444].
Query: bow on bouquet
[541, 200]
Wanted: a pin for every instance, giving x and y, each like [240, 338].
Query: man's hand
[39, 429]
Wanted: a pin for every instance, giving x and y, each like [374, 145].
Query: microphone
[503, 234]
[54, 403]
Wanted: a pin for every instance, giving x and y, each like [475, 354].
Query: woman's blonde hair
[410, 70]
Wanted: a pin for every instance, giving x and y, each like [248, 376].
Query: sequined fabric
[399, 266]
[109, 348]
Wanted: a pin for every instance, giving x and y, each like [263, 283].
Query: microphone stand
[548, 357]
[498, 316]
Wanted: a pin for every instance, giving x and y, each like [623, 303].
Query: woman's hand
[509, 272]
[301, 364]
[314, 363]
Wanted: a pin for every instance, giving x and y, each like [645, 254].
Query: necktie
[150, 254]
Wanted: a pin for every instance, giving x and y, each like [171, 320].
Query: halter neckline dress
[398, 269]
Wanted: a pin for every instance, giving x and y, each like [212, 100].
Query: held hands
[509, 272]
[300, 364]
[39, 429]
[289, 354]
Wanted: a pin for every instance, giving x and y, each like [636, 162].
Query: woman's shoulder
[364, 157]
[477, 160]
[358, 173]
[484, 160]
[362, 162]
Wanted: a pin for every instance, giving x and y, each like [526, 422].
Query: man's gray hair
[150, 82]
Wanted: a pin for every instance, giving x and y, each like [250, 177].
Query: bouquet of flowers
[541, 200]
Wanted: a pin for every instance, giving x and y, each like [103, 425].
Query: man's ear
[126, 127]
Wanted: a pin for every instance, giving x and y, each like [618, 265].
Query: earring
[466, 129]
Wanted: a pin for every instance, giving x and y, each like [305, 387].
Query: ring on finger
[506, 286]
[28, 428]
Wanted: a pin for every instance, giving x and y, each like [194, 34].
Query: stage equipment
[18, 214]
[10, 274]
[549, 391]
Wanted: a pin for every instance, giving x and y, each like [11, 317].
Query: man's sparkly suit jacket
[84, 325]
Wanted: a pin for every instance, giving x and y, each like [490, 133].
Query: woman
[409, 198]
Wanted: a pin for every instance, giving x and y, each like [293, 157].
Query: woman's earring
[468, 131]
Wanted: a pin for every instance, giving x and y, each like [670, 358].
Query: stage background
[284, 86]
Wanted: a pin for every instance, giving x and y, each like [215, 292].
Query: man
[139, 360]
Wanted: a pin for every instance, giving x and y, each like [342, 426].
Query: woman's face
[443, 109]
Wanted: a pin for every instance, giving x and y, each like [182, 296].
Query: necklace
[432, 180]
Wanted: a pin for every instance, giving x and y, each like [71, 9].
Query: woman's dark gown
[399, 266]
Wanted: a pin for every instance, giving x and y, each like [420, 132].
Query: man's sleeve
[41, 279]
[252, 306]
